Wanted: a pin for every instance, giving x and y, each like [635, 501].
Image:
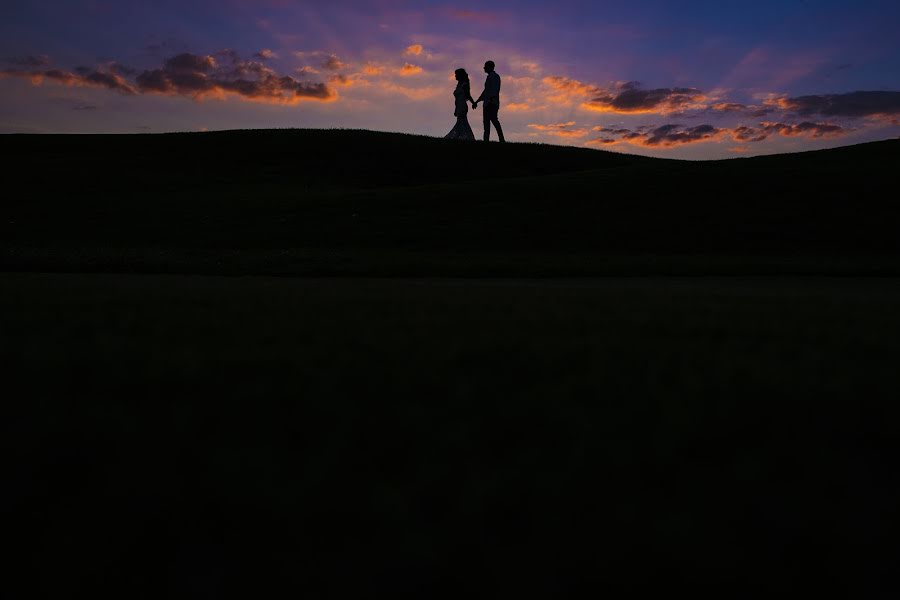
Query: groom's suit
[491, 109]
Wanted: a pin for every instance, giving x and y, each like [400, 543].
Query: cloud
[371, 68]
[191, 63]
[602, 141]
[333, 63]
[612, 130]
[806, 129]
[565, 130]
[518, 107]
[120, 69]
[530, 68]
[200, 76]
[674, 135]
[553, 127]
[341, 80]
[193, 75]
[109, 81]
[670, 135]
[853, 104]
[414, 50]
[664, 136]
[631, 98]
[570, 89]
[265, 54]
[748, 134]
[83, 78]
[729, 107]
[410, 69]
[624, 98]
[31, 60]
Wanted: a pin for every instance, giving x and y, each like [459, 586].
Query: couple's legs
[490, 117]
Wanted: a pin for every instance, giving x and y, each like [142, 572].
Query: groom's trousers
[490, 112]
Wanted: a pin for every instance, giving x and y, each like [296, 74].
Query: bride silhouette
[463, 95]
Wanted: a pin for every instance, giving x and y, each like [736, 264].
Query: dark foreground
[557, 369]
[356, 203]
[218, 435]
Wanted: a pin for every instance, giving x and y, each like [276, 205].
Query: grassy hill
[364, 203]
[176, 421]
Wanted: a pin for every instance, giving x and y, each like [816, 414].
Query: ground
[614, 372]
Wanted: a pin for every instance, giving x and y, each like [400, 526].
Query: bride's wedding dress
[462, 130]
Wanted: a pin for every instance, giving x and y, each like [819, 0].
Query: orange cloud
[372, 69]
[531, 68]
[341, 81]
[602, 141]
[86, 78]
[414, 50]
[552, 126]
[569, 89]
[565, 130]
[410, 69]
[518, 107]
[729, 107]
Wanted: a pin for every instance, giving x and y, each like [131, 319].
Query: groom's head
[489, 66]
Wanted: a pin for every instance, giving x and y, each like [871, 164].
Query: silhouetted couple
[491, 98]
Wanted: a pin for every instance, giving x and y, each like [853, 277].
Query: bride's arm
[469, 94]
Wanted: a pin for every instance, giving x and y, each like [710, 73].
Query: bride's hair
[462, 75]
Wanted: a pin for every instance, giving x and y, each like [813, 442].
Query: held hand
[474, 105]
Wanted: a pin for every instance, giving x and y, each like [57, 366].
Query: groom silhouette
[491, 97]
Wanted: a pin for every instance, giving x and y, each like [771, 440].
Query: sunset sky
[679, 79]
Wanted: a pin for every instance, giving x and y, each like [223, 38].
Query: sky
[690, 79]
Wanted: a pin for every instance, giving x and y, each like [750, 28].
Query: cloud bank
[853, 104]
[195, 76]
[670, 135]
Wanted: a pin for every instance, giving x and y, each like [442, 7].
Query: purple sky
[686, 80]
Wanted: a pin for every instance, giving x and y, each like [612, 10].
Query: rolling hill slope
[167, 430]
[358, 202]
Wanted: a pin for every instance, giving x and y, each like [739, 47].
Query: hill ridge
[317, 202]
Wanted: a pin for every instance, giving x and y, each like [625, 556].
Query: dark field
[363, 204]
[497, 385]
